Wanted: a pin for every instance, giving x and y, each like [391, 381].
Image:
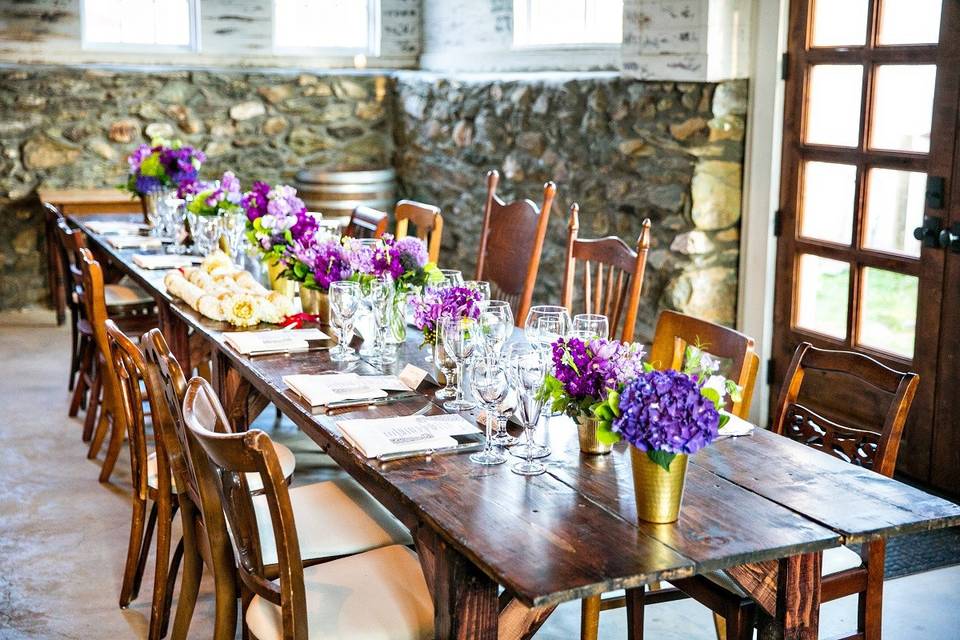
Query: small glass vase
[150, 203]
[316, 303]
[587, 433]
[658, 492]
[397, 333]
[284, 285]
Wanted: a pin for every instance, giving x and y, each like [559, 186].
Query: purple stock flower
[449, 302]
[146, 184]
[665, 411]
[330, 264]
[587, 370]
[165, 164]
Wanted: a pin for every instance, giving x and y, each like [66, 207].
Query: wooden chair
[57, 276]
[366, 222]
[151, 476]
[739, 362]
[615, 292]
[378, 592]
[511, 241]
[845, 572]
[428, 221]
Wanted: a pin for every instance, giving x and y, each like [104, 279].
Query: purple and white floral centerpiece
[317, 264]
[449, 302]
[276, 218]
[212, 199]
[162, 165]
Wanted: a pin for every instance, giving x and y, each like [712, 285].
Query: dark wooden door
[870, 137]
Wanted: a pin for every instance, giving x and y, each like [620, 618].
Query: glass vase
[397, 333]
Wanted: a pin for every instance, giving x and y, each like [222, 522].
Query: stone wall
[623, 149]
[73, 128]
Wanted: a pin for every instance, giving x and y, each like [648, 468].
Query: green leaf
[662, 458]
[613, 401]
[300, 270]
[724, 419]
[648, 367]
[605, 434]
[712, 395]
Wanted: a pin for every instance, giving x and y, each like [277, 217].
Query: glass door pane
[888, 320]
[833, 105]
[822, 288]
[903, 107]
[909, 21]
[828, 198]
[895, 201]
[838, 24]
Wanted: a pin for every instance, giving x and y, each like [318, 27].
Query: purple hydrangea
[665, 411]
[222, 195]
[449, 302]
[411, 252]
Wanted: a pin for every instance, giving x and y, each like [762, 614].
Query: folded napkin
[163, 261]
[735, 427]
[116, 226]
[320, 390]
[134, 242]
[384, 436]
[277, 341]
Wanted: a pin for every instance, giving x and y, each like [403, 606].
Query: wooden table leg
[465, 603]
[177, 334]
[241, 401]
[634, 599]
[798, 600]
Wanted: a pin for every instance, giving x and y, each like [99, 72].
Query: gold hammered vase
[658, 492]
[284, 285]
[316, 303]
[587, 433]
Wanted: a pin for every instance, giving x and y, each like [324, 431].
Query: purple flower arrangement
[317, 264]
[404, 260]
[212, 199]
[162, 165]
[449, 302]
[584, 372]
[276, 219]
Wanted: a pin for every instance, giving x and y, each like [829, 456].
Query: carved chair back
[735, 351]
[228, 457]
[873, 445]
[69, 243]
[93, 297]
[511, 241]
[612, 275]
[366, 222]
[427, 220]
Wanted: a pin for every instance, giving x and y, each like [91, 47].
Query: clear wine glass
[530, 447]
[479, 285]
[591, 326]
[447, 366]
[380, 297]
[460, 339]
[234, 229]
[496, 325]
[451, 278]
[528, 368]
[178, 230]
[344, 302]
[545, 323]
[488, 379]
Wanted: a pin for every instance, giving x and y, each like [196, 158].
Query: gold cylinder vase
[316, 303]
[658, 492]
[587, 433]
[284, 285]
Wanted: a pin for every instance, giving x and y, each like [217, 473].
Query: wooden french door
[868, 196]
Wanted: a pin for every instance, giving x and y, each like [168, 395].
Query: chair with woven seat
[872, 444]
[612, 275]
[674, 335]
[333, 518]
[511, 242]
[426, 219]
[366, 222]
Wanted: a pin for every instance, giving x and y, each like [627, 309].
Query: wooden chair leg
[590, 618]
[127, 590]
[171, 585]
[100, 433]
[74, 352]
[80, 386]
[738, 624]
[192, 573]
[246, 597]
[113, 450]
[719, 626]
[144, 550]
[162, 567]
[93, 407]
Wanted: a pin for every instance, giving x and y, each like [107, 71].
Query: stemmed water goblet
[482, 286]
[546, 323]
[460, 339]
[234, 230]
[590, 326]
[496, 327]
[380, 296]
[177, 217]
[528, 369]
[530, 447]
[488, 379]
[344, 303]
[446, 365]
[451, 278]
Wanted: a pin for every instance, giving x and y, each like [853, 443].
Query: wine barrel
[335, 194]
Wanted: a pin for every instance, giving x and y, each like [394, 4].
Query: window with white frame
[155, 24]
[538, 23]
[337, 26]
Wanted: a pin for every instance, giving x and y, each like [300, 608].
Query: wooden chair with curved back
[612, 275]
[381, 587]
[739, 362]
[151, 476]
[366, 222]
[427, 220]
[511, 242]
[57, 276]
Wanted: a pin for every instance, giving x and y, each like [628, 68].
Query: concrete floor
[63, 536]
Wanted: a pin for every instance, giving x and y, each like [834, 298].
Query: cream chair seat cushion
[333, 518]
[288, 463]
[377, 595]
[125, 292]
[834, 561]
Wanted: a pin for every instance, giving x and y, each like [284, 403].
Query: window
[563, 22]
[159, 24]
[344, 26]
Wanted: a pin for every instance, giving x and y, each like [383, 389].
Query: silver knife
[390, 457]
[343, 404]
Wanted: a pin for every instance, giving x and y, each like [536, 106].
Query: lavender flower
[666, 411]
[404, 260]
[450, 302]
[224, 195]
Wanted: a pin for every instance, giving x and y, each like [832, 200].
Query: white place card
[735, 426]
[116, 226]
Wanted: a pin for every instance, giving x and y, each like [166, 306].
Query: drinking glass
[591, 326]
[178, 229]
[447, 366]
[496, 325]
[234, 229]
[451, 278]
[488, 379]
[380, 297]
[206, 232]
[344, 302]
[530, 447]
[460, 338]
[528, 368]
[479, 285]
[546, 323]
